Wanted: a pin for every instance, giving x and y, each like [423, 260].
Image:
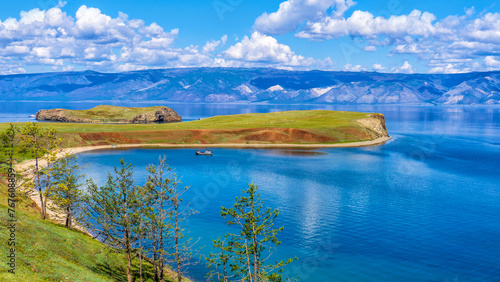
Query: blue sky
[386, 36]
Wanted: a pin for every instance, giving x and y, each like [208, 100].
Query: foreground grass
[49, 252]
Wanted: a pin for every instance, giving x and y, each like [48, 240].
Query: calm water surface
[423, 207]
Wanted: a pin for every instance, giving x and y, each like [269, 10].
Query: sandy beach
[375, 142]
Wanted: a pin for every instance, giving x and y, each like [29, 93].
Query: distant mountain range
[224, 85]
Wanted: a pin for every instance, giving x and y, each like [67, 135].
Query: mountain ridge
[251, 85]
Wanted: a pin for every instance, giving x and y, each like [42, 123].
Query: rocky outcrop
[163, 114]
[375, 125]
[61, 115]
[99, 115]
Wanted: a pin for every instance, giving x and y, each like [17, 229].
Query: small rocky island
[111, 114]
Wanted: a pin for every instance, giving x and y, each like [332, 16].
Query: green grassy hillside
[314, 119]
[49, 252]
[292, 127]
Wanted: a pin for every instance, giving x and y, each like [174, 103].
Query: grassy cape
[291, 127]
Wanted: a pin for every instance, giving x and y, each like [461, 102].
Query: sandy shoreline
[25, 166]
[378, 141]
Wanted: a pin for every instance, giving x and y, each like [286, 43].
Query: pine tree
[7, 143]
[166, 220]
[182, 245]
[247, 252]
[38, 142]
[65, 191]
[158, 217]
[144, 230]
[48, 171]
[114, 211]
[220, 260]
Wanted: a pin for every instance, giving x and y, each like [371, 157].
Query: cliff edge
[375, 125]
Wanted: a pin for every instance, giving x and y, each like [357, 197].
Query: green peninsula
[312, 127]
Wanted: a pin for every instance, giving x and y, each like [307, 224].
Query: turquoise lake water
[423, 207]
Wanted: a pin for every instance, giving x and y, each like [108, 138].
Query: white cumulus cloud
[91, 40]
[210, 46]
[292, 13]
[349, 67]
[378, 67]
[265, 49]
[454, 43]
[405, 68]
[370, 48]
[365, 24]
[491, 62]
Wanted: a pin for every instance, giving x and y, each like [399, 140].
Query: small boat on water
[32, 116]
[206, 153]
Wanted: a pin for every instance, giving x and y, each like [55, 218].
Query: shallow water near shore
[424, 206]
